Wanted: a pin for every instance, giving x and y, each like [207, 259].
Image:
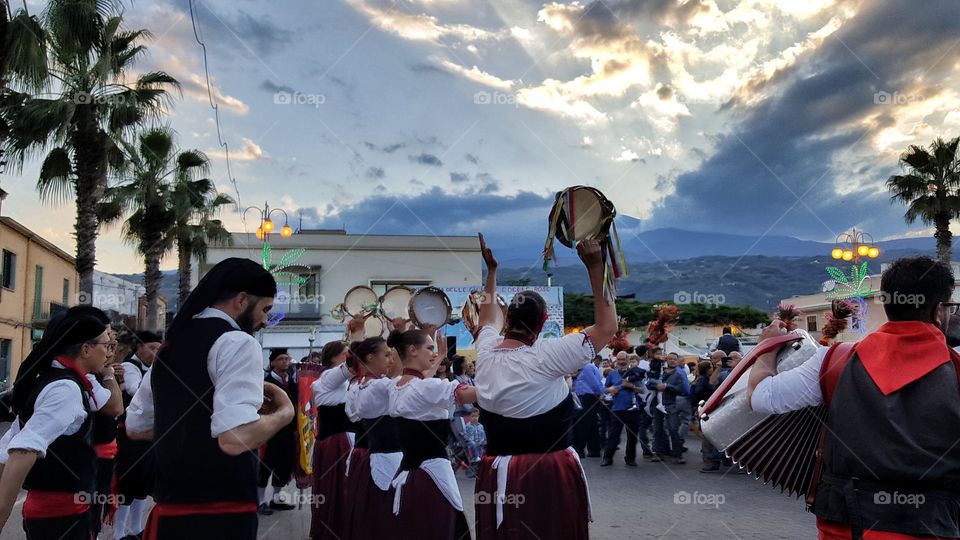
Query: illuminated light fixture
[848, 255]
[836, 253]
[286, 231]
[862, 250]
[873, 252]
[267, 226]
[260, 234]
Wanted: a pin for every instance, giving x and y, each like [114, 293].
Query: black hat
[274, 353]
[146, 336]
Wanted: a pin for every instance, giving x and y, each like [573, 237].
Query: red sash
[162, 510]
[53, 504]
[106, 450]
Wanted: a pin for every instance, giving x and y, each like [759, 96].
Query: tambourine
[583, 213]
[470, 313]
[373, 326]
[396, 303]
[360, 300]
[430, 306]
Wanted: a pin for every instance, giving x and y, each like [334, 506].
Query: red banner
[306, 423]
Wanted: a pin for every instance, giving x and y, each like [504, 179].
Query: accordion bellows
[779, 449]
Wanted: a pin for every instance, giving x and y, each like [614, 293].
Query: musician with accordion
[883, 469]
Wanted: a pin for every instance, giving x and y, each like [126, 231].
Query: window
[5, 346]
[9, 278]
[381, 287]
[811, 323]
[38, 293]
[66, 292]
[304, 300]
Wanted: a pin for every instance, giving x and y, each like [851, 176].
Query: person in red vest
[889, 471]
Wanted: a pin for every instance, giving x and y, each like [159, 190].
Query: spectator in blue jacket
[588, 386]
[625, 415]
[674, 384]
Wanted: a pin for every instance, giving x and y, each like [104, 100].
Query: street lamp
[266, 224]
[854, 245]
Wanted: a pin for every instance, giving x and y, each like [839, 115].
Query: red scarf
[901, 352]
[72, 366]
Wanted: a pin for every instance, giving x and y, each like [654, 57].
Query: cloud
[476, 75]
[421, 27]
[254, 33]
[457, 177]
[271, 87]
[249, 151]
[194, 86]
[427, 159]
[387, 149]
[375, 172]
[475, 160]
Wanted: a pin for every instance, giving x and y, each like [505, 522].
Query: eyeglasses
[952, 307]
[109, 345]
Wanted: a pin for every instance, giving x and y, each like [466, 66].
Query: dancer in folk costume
[205, 406]
[280, 453]
[134, 458]
[376, 457]
[336, 435]
[428, 502]
[48, 449]
[526, 409]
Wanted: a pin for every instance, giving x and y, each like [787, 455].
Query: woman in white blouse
[428, 502]
[526, 410]
[376, 455]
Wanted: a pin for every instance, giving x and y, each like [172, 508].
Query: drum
[430, 306]
[776, 448]
[583, 213]
[396, 303]
[373, 326]
[470, 313]
[360, 300]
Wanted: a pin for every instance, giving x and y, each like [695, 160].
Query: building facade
[37, 281]
[331, 262]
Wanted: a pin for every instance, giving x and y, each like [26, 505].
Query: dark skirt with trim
[371, 516]
[426, 514]
[545, 497]
[329, 488]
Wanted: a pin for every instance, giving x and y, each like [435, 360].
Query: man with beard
[205, 405]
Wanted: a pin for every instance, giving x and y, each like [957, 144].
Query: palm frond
[56, 174]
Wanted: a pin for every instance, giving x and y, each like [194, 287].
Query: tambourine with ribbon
[430, 306]
[583, 213]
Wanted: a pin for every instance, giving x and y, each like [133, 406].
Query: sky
[756, 117]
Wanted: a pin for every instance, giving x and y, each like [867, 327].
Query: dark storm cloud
[427, 159]
[787, 143]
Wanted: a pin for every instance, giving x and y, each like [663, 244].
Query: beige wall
[17, 305]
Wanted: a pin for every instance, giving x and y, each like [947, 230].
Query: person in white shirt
[205, 405]
[49, 448]
[526, 408]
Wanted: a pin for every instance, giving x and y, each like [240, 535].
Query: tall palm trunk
[90, 155]
[944, 237]
[184, 250]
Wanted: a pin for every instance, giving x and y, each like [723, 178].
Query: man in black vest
[205, 405]
[280, 452]
[888, 469]
[134, 459]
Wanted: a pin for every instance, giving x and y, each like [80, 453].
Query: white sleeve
[131, 378]
[435, 392]
[328, 388]
[560, 356]
[235, 365]
[370, 400]
[58, 406]
[100, 395]
[5, 440]
[140, 411]
[487, 338]
[790, 390]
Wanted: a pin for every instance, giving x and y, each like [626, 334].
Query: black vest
[104, 427]
[70, 464]
[422, 440]
[891, 463]
[190, 465]
[332, 420]
[539, 434]
[382, 435]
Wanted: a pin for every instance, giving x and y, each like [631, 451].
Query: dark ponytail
[401, 340]
[360, 349]
[526, 313]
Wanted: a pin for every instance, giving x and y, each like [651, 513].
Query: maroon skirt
[527, 513]
[425, 514]
[329, 487]
[371, 513]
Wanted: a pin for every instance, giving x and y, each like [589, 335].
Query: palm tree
[195, 203]
[931, 189]
[71, 98]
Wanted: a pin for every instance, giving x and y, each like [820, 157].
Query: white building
[116, 294]
[333, 262]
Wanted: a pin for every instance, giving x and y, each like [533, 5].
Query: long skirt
[77, 527]
[545, 497]
[329, 487]
[371, 515]
[235, 526]
[426, 514]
